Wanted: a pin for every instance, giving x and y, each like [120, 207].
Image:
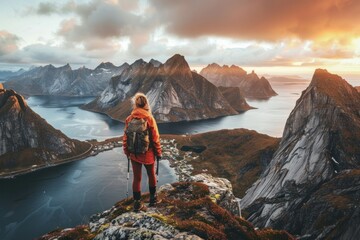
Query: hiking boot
[153, 200]
[153, 197]
[137, 205]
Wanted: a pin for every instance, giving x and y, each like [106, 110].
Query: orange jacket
[155, 147]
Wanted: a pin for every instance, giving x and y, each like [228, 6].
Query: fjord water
[68, 195]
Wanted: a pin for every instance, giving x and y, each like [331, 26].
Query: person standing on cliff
[141, 117]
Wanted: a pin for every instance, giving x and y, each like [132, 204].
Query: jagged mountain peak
[213, 65]
[175, 93]
[66, 67]
[234, 76]
[50, 80]
[155, 62]
[125, 64]
[178, 63]
[333, 86]
[235, 67]
[105, 65]
[320, 142]
[253, 76]
[138, 63]
[49, 66]
[322, 78]
[10, 99]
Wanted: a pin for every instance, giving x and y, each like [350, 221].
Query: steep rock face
[250, 84]
[234, 96]
[175, 93]
[188, 210]
[320, 144]
[26, 139]
[357, 88]
[49, 80]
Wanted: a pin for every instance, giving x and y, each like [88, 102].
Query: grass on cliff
[188, 207]
[80, 232]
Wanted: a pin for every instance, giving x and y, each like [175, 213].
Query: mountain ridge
[175, 93]
[319, 145]
[63, 80]
[250, 84]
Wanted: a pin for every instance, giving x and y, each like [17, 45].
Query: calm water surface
[67, 195]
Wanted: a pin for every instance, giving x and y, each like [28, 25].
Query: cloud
[46, 8]
[262, 19]
[44, 54]
[97, 21]
[8, 42]
[242, 32]
[50, 8]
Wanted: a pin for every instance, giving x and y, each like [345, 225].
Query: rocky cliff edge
[201, 209]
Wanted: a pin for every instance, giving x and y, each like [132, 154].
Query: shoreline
[94, 149]
[179, 160]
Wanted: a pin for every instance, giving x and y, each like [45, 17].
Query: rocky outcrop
[314, 168]
[175, 93]
[357, 88]
[64, 81]
[28, 141]
[250, 84]
[235, 98]
[188, 210]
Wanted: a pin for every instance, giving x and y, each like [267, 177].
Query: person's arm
[155, 136]
[125, 147]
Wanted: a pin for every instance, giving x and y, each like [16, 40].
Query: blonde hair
[140, 101]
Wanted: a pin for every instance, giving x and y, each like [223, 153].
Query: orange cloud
[261, 19]
[8, 42]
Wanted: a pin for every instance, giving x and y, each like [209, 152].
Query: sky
[279, 37]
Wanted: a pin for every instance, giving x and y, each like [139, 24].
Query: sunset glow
[278, 37]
